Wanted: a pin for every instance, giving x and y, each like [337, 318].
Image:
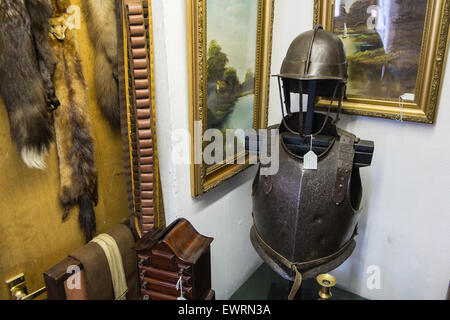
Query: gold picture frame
[204, 178]
[433, 53]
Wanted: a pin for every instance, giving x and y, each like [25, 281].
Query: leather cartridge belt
[138, 127]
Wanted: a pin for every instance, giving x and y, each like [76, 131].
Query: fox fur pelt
[101, 23]
[40, 12]
[26, 67]
[78, 176]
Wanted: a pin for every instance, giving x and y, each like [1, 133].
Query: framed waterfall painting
[396, 51]
[229, 66]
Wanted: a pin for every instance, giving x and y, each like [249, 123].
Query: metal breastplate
[307, 216]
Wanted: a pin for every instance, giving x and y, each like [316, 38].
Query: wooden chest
[177, 254]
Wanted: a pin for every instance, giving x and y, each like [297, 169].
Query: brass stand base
[326, 281]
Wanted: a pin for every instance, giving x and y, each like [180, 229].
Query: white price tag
[310, 161]
[179, 286]
[408, 97]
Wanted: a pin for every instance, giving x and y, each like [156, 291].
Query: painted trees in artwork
[217, 60]
[225, 77]
[231, 79]
[223, 84]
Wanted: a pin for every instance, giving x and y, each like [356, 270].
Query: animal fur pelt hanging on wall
[40, 12]
[26, 67]
[101, 23]
[78, 177]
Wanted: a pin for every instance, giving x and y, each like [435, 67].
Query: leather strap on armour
[296, 266]
[345, 156]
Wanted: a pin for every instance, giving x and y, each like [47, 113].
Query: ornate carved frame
[431, 66]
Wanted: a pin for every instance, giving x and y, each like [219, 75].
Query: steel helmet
[315, 55]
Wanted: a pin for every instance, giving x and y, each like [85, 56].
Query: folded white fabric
[109, 246]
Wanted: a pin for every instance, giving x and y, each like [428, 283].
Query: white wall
[405, 226]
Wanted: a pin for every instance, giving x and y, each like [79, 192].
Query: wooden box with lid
[175, 262]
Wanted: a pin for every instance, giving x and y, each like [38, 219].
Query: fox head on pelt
[59, 25]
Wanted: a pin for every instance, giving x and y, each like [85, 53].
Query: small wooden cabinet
[165, 255]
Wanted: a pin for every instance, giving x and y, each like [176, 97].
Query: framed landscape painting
[229, 63]
[395, 50]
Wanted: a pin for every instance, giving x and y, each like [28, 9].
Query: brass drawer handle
[18, 289]
[20, 295]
